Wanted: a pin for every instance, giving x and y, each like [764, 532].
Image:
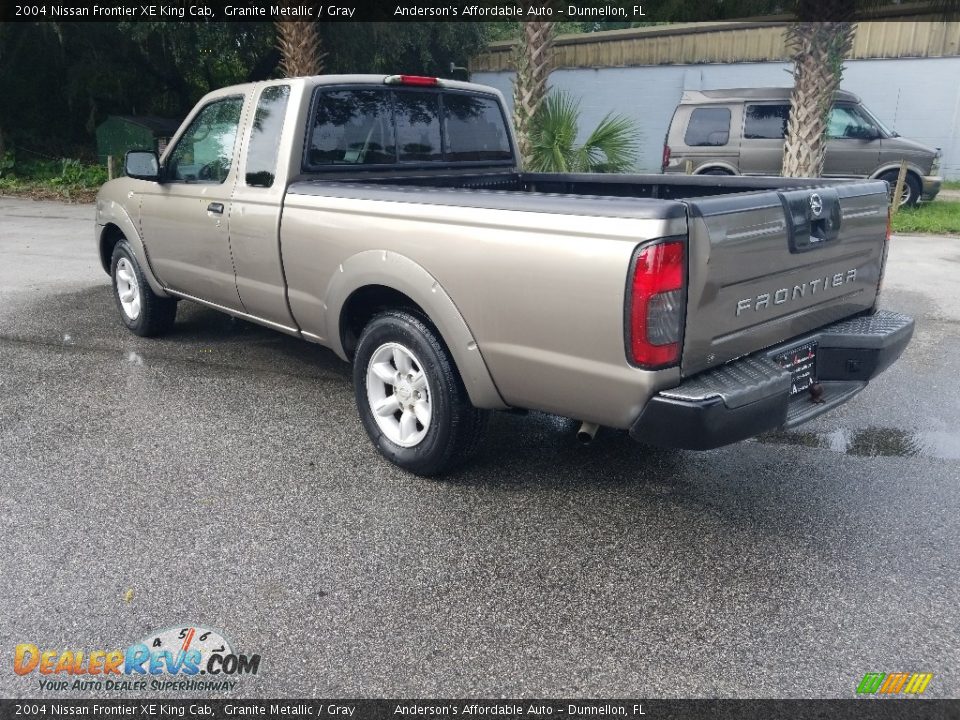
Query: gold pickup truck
[387, 218]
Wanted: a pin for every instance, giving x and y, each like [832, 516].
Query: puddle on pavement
[873, 442]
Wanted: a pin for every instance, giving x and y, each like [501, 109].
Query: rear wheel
[910, 195]
[411, 399]
[143, 311]
[716, 171]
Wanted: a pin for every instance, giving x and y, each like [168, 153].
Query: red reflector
[666, 157]
[656, 304]
[412, 80]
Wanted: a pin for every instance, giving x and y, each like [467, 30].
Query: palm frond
[612, 146]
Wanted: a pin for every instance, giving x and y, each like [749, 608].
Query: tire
[911, 188]
[142, 311]
[402, 365]
[715, 172]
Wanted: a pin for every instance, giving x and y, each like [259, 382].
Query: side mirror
[142, 165]
[866, 133]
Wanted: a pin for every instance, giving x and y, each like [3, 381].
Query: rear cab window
[416, 115]
[708, 127]
[374, 126]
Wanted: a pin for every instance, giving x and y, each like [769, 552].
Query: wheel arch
[380, 279]
[113, 225]
[895, 167]
[724, 167]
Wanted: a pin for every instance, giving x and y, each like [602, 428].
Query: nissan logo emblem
[816, 204]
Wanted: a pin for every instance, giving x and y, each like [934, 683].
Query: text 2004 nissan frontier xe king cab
[388, 219]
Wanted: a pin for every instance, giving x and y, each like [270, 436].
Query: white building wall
[919, 98]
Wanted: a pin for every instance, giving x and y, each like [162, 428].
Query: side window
[848, 122]
[204, 154]
[708, 127]
[474, 129]
[265, 135]
[352, 127]
[766, 122]
[417, 117]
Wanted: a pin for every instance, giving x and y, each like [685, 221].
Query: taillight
[655, 305]
[665, 160]
[411, 80]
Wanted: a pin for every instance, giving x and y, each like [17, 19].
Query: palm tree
[818, 52]
[299, 45]
[533, 60]
[611, 147]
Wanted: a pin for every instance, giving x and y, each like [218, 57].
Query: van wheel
[143, 311]
[911, 187]
[715, 172]
[411, 399]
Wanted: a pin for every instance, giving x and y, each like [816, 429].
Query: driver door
[184, 219]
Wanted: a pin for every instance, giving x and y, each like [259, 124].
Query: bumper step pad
[750, 395]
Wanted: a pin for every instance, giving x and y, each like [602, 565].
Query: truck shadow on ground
[88, 320]
[531, 451]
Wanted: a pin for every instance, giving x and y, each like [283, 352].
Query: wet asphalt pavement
[220, 476]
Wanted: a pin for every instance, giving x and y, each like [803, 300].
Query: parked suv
[741, 131]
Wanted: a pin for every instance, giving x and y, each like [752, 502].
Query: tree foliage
[612, 146]
[299, 46]
[818, 51]
[60, 80]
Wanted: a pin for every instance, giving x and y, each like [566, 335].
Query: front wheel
[411, 399]
[143, 311]
[910, 195]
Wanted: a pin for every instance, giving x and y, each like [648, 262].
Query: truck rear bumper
[752, 395]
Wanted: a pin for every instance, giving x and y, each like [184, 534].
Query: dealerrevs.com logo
[186, 658]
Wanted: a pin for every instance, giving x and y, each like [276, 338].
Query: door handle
[215, 208]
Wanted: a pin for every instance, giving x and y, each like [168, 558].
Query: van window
[766, 122]
[708, 126]
[848, 122]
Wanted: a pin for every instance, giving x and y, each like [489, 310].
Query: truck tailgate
[765, 267]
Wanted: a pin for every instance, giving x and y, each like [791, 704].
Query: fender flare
[400, 273]
[713, 165]
[112, 213]
[895, 167]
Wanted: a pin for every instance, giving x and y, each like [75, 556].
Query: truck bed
[601, 195]
[757, 276]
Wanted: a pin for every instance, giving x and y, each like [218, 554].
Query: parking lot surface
[220, 477]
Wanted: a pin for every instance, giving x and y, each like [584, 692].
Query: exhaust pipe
[587, 432]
